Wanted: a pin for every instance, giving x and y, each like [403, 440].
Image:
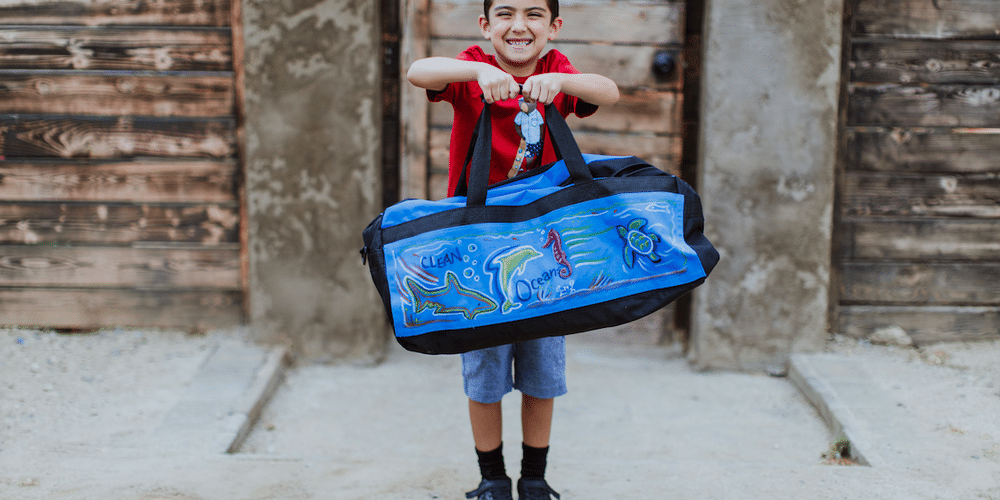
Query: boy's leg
[487, 375]
[540, 375]
[487, 424]
[536, 420]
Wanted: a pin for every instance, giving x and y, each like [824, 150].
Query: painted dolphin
[507, 263]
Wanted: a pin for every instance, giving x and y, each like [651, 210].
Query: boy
[519, 31]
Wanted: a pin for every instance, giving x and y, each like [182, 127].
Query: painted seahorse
[560, 255]
[508, 263]
[452, 298]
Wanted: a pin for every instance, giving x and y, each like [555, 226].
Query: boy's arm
[593, 88]
[435, 73]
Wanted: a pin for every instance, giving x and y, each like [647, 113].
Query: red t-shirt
[465, 98]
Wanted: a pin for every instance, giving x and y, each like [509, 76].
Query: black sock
[491, 463]
[533, 463]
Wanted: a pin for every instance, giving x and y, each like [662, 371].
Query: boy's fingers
[513, 89]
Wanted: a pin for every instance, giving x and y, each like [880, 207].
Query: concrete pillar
[312, 162]
[770, 89]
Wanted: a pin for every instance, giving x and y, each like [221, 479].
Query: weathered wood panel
[630, 66]
[949, 283]
[920, 192]
[866, 193]
[924, 150]
[937, 61]
[928, 18]
[145, 181]
[114, 94]
[637, 112]
[114, 137]
[919, 239]
[94, 307]
[47, 265]
[414, 107]
[117, 12]
[924, 105]
[924, 324]
[99, 223]
[132, 49]
[630, 21]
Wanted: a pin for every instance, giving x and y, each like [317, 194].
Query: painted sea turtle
[638, 241]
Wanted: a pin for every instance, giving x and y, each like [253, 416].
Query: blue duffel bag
[584, 243]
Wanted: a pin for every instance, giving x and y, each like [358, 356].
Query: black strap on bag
[480, 152]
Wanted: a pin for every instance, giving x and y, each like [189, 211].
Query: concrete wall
[312, 161]
[769, 139]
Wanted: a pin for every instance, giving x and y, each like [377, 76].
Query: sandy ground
[76, 413]
[952, 389]
[95, 391]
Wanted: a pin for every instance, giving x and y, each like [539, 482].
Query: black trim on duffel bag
[599, 179]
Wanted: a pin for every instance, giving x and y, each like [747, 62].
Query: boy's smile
[519, 30]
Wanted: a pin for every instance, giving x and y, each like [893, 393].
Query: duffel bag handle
[480, 152]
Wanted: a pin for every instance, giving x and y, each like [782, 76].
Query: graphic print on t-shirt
[528, 123]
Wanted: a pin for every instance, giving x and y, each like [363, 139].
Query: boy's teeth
[519, 42]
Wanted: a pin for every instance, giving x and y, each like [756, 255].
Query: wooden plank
[940, 283]
[116, 12]
[120, 93]
[114, 137]
[927, 150]
[130, 49]
[123, 267]
[925, 61]
[925, 325]
[622, 22]
[924, 105]
[629, 66]
[94, 308]
[928, 18]
[637, 111]
[414, 107]
[864, 238]
[239, 115]
[438, 185]
[66, 223]
[141, 181]
[867, 193]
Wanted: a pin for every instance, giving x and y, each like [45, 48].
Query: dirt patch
[95, 391]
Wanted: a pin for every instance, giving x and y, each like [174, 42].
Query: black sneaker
[492, 489]
[534, 489]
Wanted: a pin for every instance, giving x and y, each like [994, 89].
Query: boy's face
[519, 30]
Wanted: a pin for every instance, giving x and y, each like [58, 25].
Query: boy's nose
[519, 24]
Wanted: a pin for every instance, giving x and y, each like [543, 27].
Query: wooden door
[119, 176]
[919, 222]
[622, 40]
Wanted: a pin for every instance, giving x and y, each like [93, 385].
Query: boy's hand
[543, 88]
[497, 85]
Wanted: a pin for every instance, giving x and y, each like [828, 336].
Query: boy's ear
[484, 26]
[556, 26]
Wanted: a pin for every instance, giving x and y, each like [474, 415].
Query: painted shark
[452, 298]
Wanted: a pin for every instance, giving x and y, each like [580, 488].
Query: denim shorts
[536, 368]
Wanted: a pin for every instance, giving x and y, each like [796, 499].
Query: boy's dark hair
[553, 7]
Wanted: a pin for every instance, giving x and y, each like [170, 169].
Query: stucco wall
[312, 161]
[769, 120]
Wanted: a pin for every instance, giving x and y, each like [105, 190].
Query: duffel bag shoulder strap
[480, 152]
